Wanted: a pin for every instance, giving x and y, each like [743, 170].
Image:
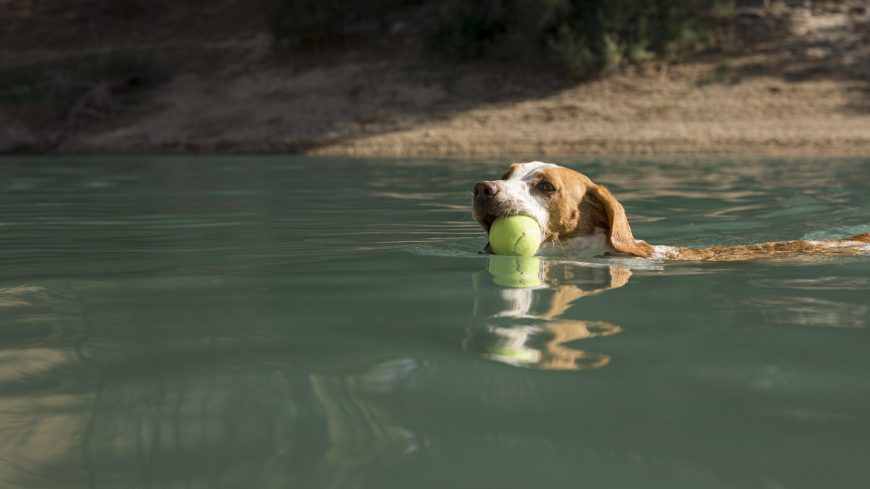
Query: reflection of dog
[535, 333]
[578, 215]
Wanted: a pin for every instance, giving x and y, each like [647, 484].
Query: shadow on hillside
[233, 91]
[805, 44]
[230, 86]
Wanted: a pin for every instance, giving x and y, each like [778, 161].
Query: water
[314, 323]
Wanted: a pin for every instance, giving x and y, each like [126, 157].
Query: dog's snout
[485, 190]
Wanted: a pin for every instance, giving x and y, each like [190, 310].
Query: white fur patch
[525, 171]
[865, 247]
[517, 195]
[663, 251]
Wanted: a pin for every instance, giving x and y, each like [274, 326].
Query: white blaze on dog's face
[511, 195]
[566, 204]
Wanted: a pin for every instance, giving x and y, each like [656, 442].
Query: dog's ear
[618, 230]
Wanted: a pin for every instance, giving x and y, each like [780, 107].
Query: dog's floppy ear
[618, 230]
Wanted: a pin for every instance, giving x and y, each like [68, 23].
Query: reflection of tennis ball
[515, 271]
[515, 235]
[517, 354]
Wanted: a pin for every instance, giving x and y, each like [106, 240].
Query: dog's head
[566, 204]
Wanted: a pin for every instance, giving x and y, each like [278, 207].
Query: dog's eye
[546, 186]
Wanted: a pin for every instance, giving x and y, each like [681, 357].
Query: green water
[313, 323]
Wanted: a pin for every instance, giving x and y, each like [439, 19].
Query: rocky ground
[797, 84]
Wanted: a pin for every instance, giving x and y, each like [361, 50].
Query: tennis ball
[515, 235]
[515, 271]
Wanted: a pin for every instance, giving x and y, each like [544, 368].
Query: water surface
[318, 323]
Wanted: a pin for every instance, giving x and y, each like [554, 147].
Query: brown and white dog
[577, 215]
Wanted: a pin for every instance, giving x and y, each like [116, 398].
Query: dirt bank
[803, 91]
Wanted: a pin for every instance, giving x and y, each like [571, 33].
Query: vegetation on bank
[583, 37]
[71, 86]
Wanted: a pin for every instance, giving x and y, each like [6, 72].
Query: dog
[577, 215]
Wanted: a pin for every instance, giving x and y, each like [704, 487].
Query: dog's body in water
[576, 214]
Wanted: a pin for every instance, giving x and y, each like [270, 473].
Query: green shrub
[316, 20]
[60, 83]
[502, 29]
[583, 36]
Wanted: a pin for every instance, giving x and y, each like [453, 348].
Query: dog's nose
[485, 190]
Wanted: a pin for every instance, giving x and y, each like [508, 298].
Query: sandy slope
[803, 91]
[326, 112]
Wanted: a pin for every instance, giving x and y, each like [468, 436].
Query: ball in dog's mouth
[517, 235]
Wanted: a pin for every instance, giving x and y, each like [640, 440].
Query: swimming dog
[575, 213]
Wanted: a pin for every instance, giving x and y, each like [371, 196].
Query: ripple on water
[839, 232]
[815, 283]
[811, 311]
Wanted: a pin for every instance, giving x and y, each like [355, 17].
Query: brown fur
[579, 206]
[617, 228]
[782, 249]
[563, 205]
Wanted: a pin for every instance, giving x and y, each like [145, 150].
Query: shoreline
[689, 154]
[802, 91]
[367, 110]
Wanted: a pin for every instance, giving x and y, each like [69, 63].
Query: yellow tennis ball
[515, 235]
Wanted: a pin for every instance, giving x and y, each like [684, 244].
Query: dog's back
[856, 245]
